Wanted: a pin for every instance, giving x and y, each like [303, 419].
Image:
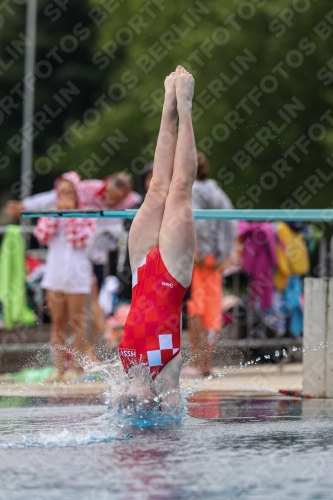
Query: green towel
[32, 375]
[12, 279]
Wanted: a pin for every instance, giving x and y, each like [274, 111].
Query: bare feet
[170, 102]
[184, 83]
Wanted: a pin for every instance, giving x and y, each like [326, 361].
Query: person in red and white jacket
[68, 273]
[114, 193]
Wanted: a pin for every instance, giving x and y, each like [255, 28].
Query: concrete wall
[318, 338]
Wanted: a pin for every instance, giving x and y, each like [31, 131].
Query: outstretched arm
[41, 201]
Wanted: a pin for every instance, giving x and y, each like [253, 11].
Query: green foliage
[293, 44]
[231, 47]
[66, 29]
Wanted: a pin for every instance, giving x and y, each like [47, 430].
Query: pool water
[223, 448]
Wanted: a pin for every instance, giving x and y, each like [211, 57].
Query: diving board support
[318, 338]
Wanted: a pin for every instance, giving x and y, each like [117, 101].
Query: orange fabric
[206, 295]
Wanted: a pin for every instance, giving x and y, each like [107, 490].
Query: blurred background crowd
[84, 281]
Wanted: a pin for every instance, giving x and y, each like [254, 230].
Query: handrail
[308, 214]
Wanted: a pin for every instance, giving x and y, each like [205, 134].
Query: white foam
[64, 438]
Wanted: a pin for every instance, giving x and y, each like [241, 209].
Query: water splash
[141, 411]
[120, 421]
[60, 439]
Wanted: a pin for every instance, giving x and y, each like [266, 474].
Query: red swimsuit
[152, 330]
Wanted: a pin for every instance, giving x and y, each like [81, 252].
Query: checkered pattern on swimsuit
[152, 330]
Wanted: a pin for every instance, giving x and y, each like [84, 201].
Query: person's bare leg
[209, 339]
[195, 341]
[77, 303]
[98, 324]
[144, 232]
[177, 234]
[56, 302]
[97, 315]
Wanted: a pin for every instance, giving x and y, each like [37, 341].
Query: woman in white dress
[68, 275]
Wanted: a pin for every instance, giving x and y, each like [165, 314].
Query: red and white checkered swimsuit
[152, 330]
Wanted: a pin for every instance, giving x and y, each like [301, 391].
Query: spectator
[215, 240]
[115, 192]
[112, 192]
[68, 274]
[123, 263]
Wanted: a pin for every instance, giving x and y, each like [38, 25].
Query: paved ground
[262, 378]
[253, 379]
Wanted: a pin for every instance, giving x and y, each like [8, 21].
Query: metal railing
[324, 257]
[311, 214]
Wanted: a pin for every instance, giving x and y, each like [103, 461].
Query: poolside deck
[263, 380]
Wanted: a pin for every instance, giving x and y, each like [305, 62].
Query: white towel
[108, 291]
